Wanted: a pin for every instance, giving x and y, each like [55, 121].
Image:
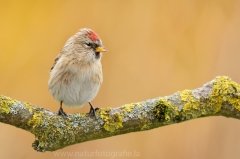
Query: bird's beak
[100, 49]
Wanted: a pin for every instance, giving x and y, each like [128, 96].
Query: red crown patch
[93, 36]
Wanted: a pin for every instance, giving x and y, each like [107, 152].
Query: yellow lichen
[162, 110]
[225, 90]
[5, 103]
[104, 113]
[167, 117]
[41, 144]
[145, 127]
[112, 122]
[29, 107]
[128, 107]
[191, 107]
[139, 105]
[192, 102]
[36, 119]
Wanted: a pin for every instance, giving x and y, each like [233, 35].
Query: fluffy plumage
[76, 74]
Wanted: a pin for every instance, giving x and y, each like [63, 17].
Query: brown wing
[55, 61]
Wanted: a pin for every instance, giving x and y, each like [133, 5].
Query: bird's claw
[93, 110]
[61, 112]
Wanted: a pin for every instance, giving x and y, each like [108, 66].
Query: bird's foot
[93, 110]
[61, 112]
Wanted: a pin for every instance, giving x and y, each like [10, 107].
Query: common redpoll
[76, 75]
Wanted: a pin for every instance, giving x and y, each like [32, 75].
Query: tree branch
[221, 96]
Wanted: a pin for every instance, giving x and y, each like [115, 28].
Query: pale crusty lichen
[126, 109]
[139, 110]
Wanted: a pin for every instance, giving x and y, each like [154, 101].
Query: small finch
[76, 75]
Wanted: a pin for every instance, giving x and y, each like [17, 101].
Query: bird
[76, 74]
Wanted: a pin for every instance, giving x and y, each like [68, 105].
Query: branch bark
[220, 97]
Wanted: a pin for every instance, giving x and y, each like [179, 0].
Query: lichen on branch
[221, 96]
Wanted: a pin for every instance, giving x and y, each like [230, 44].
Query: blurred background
[155, 48]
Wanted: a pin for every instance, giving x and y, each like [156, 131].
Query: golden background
[155, 48]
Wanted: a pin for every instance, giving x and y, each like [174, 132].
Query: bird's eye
[88, 44]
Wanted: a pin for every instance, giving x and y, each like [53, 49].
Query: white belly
[76, 91]
[77, 94]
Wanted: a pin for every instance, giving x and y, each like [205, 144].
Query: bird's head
[86, 44]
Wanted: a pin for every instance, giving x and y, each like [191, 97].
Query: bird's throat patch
[97, 55]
